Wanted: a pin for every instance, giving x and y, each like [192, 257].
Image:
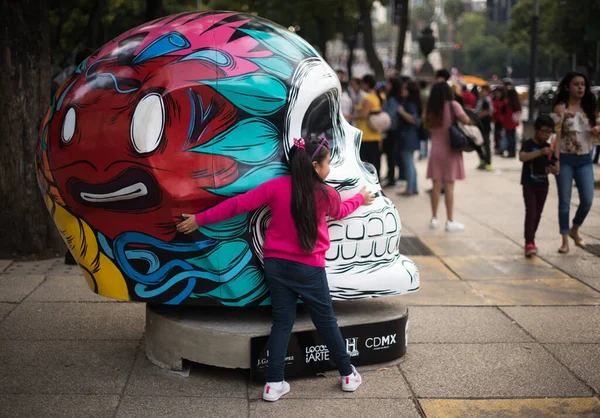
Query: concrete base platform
[222, 337]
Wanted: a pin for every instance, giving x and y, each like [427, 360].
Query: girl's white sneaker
[275, 390]
[351, 382]
[434, 223]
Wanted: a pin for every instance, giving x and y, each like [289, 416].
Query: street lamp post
[532, 65]
[426, 44]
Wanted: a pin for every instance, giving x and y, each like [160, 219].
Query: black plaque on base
[307, 354]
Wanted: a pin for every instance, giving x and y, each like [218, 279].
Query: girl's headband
[324, 141]
[300, 144]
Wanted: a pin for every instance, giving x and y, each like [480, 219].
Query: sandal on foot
[578, 243]
[563, 250]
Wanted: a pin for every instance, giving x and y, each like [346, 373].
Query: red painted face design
[118, 138]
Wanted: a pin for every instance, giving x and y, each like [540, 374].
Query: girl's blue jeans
[578, 168]
[287, 280]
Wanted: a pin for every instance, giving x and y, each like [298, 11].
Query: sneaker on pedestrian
[488, 167]
[351, 382]
[434, 223]
[530, 250]
[275, 390]
[453, 226]
[481, 166]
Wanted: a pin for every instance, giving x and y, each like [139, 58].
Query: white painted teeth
[355, 230]
[363, 238]
[375, 227]
[126, 193]
[391, 225]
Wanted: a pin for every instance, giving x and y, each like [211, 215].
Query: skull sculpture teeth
[179, 114]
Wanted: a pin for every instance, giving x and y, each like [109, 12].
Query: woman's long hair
[396, 90]
[512, 100]
[414, 95]
[439, 95]
[305, 184]
[588, 101]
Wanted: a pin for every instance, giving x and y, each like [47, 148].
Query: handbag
[379, 121]
[459, 140]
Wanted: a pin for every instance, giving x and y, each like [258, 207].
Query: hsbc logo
[381, 343]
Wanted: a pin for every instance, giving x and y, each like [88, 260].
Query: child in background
[538, 161]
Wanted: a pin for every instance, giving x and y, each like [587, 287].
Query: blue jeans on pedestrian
[407, 159]
[578, 168]
[287, 280]
[424, 148]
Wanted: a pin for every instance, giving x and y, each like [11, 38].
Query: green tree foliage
[551, 55]
[480, 54]
[72, 21]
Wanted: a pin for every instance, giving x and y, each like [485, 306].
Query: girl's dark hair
[370, 81]
[439, 95]
[588, 101]
[512, 98]
[501, 91]
[306, 183]
[396, 91]
[414, 95]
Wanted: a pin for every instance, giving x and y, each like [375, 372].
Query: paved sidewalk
[491, 334]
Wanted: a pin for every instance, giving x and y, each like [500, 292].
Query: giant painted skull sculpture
[179, 114]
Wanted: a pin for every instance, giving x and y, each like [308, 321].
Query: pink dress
[444, 163]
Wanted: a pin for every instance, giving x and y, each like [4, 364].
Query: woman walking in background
[576, 124]
[410, 110]
[393, 137]
[445, 164]
[497, 104]
[371, 139]
[511, 119]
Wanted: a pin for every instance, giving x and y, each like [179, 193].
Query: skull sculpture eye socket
[317, 120]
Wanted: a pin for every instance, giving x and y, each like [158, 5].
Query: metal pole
[390, 34]
[532, 65]
[508, 55]
[198, 5]
[598, 61]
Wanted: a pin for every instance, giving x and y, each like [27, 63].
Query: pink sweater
[282, 237]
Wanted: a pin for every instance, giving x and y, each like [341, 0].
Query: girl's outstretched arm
[229, 208]
[340, 210]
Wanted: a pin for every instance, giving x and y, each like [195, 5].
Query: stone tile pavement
[491, 335]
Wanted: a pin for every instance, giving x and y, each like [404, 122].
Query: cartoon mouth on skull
[132, 190]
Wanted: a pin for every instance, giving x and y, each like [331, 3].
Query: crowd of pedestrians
[419, 117]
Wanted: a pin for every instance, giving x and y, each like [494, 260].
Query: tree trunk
[154, 9]
[95, 24]
[404, 17]
[364, 7]
[351, 44]
[322, 36]
[25, 74]
[450, 36]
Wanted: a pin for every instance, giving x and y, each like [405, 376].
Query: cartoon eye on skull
[179, 114]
